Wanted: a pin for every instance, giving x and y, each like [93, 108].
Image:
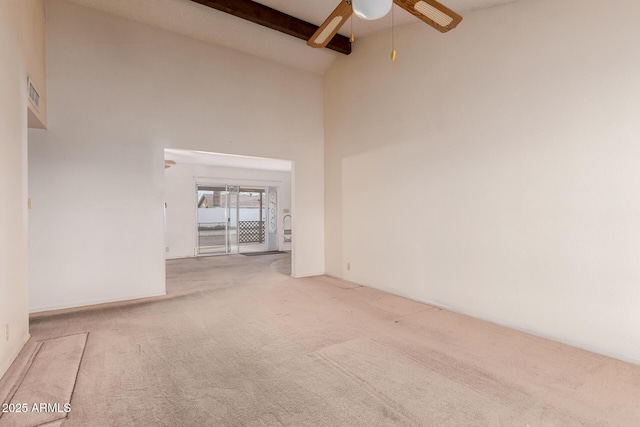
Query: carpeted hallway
[236, 342]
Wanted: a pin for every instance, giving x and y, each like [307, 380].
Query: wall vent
[34, 96]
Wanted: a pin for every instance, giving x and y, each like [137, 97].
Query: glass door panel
[211, 220]
[252, 220]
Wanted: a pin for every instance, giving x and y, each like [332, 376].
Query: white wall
[19, 39]
[119, 93]
[516, 137]
[180, 182]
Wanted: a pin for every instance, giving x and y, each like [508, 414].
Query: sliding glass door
[230, 219]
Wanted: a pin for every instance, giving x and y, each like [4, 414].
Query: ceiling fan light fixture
[436, 15]
[371, 9]
[328, 30]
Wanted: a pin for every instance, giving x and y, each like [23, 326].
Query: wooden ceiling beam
[276, 20]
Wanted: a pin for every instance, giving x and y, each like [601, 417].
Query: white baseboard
[560, 339]
[300, 276]
[563, 340]
[85, 303]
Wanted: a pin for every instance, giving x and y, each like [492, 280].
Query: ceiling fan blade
[331, 25]
[433, 13]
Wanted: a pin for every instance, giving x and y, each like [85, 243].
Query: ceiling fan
[433, 13]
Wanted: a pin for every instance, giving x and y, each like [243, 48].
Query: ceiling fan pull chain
[351, 37]
[393, 41]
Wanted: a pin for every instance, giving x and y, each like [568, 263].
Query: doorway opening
[219, 204]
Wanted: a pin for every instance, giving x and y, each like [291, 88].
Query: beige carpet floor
[44, 388]
[238, 343]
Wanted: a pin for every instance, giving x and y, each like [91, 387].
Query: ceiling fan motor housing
[371, 9]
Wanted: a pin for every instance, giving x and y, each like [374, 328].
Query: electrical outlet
[6, 332]
[166, 249]
[29, 203]
[348, 266]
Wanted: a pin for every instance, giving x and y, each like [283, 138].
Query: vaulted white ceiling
[203, 23]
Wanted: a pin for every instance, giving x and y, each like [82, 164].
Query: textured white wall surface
[516, 138]
[121, 92]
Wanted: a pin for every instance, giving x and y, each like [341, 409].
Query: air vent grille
[34, 96]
